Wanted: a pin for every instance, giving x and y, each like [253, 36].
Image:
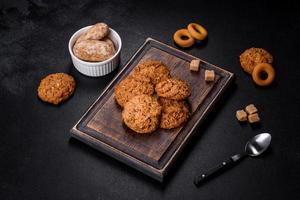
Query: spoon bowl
[258, 144]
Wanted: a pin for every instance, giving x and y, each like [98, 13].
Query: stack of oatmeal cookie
[143, 112]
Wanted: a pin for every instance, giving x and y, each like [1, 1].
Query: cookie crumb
[194, 65]
[209, 75]
[251, 109]
[253, 118]
[241, 115]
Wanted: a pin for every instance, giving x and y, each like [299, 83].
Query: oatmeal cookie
[131, 87]
[172, 88]
[93, 50]
[155, 70]
[174, 113]
[253, 56]
[56, 88]
[142, 114]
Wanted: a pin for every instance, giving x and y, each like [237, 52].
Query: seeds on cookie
[130, 87]
[56, 88]
[174, 113]
[142, 113]
[156, 71]
[172, 88]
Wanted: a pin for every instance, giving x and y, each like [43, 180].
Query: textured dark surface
[40, 161]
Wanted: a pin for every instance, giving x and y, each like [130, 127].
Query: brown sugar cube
[241, 115]
[209, 75]
[253, 118]
[250, 109]
[194, 65]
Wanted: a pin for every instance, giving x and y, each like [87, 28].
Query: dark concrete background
[40, 161]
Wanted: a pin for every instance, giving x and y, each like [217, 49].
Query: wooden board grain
[101, 126]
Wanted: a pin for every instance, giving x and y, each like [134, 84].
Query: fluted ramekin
[96, 69]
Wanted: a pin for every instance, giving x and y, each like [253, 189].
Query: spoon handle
[226, 163]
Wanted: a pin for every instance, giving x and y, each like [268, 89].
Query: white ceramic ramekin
[96, 69]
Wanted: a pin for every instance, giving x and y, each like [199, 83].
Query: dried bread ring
[263, 68]
[197, 31]
[183, 38]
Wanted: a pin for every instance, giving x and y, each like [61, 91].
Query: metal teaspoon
[254, 147]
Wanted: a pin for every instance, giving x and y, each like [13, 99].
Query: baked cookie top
[130, 87]
[172, 88]
[174, 113]
[142, 114]
[93, 50]
[253, 56]
[56, 88]
[156, 71]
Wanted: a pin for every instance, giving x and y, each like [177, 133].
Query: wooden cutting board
[101, 126]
